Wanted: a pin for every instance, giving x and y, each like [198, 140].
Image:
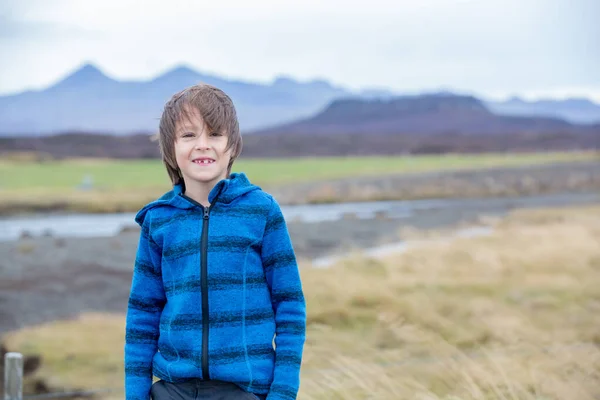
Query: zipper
[204, 280]
[204, 286]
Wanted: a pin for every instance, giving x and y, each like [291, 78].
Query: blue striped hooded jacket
[211, 288]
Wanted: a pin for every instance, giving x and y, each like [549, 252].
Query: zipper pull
[205, 212]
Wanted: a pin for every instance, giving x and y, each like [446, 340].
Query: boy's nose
[202, 142]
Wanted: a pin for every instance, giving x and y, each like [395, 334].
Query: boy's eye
[215, 134]
[187, 134]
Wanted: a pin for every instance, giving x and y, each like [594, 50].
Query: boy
[215, 277]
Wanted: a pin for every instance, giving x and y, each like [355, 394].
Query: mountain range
[574, 110]
[424, 115]
[89, 101]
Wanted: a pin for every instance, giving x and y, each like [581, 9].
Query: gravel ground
[488, 182]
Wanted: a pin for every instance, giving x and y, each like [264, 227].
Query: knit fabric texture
[254, 294]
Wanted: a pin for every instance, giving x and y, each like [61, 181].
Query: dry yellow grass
[510, 316]
[515, 315]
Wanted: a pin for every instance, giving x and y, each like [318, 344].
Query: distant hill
[574, 110]
[88, 100]
[431, 124]
[426, 114]
[306, 144]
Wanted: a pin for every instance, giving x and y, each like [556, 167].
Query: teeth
[204, 162]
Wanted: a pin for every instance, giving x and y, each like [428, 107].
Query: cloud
[13, 29]
[492, 45]
[26, 19]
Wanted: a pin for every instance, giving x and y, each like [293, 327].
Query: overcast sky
[493, 48]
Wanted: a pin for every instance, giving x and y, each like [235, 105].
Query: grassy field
[514, 315]
[144, 174]
[126, 185]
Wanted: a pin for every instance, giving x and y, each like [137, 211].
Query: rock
[382, 215]
[25, 235]
[349, 216]
[129, 229]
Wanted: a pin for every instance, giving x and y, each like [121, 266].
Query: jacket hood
[225, 192]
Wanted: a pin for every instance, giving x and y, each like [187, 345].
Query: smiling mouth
[204, 161]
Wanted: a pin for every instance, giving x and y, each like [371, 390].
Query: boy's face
[199, 152]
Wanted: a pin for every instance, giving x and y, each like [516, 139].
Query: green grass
[27, 185]
[68, 174]
[151, 175]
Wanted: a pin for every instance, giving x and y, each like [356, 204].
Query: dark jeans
[197, 389]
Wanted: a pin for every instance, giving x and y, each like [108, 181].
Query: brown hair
[217, 111]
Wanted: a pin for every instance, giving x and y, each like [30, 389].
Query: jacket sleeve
[146, 301]
[283, 278]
